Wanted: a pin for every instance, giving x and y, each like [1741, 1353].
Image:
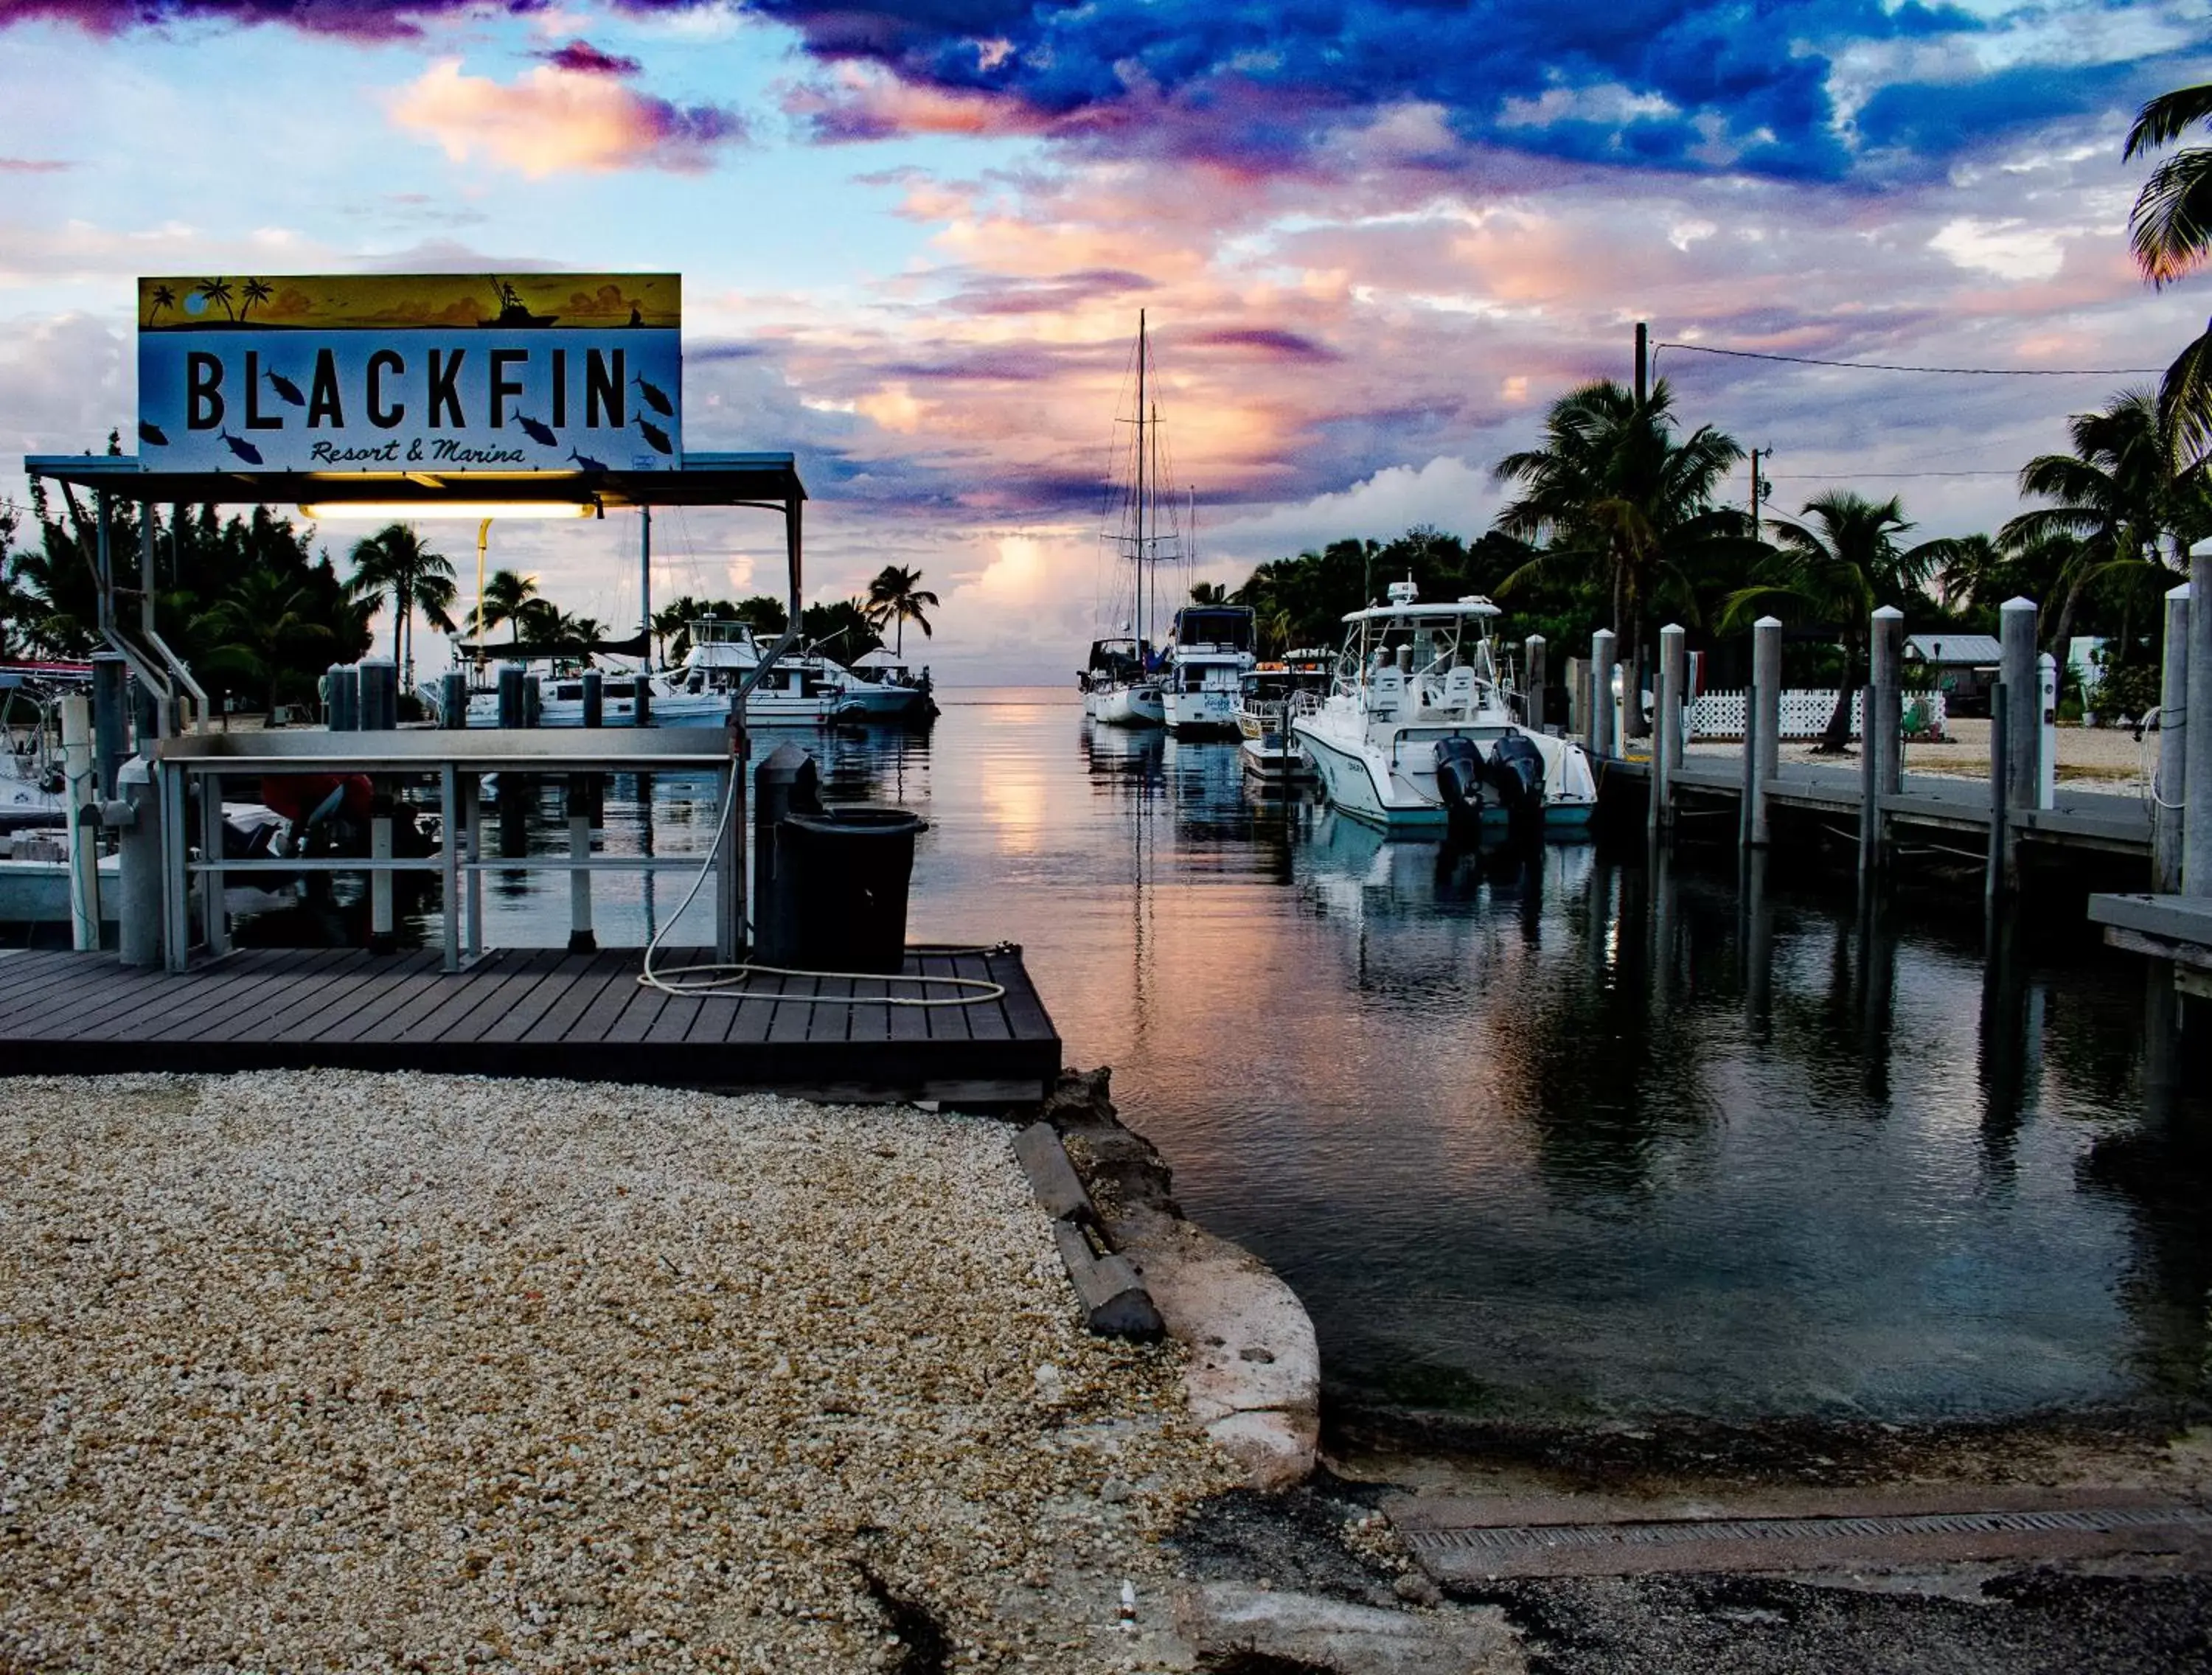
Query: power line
[1955, 372]
[1847, 476]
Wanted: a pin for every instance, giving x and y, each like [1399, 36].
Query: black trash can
[846, 869]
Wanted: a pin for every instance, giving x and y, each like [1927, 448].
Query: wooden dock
[2100, 820]
[532, 1012]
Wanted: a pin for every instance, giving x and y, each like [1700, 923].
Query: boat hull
[1207, 713]
[1131, 707]
[1353, 781]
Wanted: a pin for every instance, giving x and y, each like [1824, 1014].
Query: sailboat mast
[1144, 622]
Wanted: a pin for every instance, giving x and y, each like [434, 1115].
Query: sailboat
[1122, 685]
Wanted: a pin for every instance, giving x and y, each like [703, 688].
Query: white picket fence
[1805, 713]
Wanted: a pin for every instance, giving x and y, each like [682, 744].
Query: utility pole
[1757, 454]
[1643, 361]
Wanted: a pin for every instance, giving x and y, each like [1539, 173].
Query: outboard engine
[1460, 783]
[1515, 773]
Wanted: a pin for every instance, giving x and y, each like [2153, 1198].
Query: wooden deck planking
[945, 1024]
[541, 1012]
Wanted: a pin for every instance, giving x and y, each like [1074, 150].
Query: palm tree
[1209, 593]
[1619, 499]
[2170, 231]
[254, 290]
[163, 298]
[217, 290]
[394, 561]
[673, 622]
[504, 597]
[1833, 570]
[2114, 494]
[259, 625]
[897, 596]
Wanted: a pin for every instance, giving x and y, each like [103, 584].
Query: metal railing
[457, 761]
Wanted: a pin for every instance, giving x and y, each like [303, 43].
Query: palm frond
[2184, 403]
[2167, 116]
[2171, 227]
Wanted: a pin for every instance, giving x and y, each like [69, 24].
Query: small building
[1963, 667]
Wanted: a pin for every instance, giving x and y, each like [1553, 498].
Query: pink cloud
[583, 58]
[551, 121]
[34, 164]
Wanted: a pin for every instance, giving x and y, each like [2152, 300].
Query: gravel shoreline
[334, 1371]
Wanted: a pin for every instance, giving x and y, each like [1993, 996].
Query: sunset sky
[1374, 238]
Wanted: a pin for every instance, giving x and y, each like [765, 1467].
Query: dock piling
[1767, 699]
[594, 684]
[511, 676]
[136, 813]
[454, 699]
[1996, 877]
[111, 718]
[1870, 784]
[81, 791]
[2197, 739]
[1881, 724]
[2170, 790]
[1667, 743]
[1532, 697]
[581, 938]
[1603, 739]
[2046, 734]
[2023, 729]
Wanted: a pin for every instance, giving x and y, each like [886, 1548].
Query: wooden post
[449, 853]
[2197, 820]
[1602, 741]
[2046, 732]
[2170, 790]
[1869, 788]
[1767, 692]
[1578, 703]
[81, 789]
[1995, 881]
[2023, 727]
[1882, 722]
[1533, 676]
[215, 924]
[1748, 763]
[476, 943]
[1667, 746]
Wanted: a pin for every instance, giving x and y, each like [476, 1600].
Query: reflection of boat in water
[513, 310]
[1265, 698]
[1418, 733]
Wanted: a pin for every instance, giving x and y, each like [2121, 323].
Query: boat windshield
[1425, 642]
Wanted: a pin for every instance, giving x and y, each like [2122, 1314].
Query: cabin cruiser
[1267, 696]
[798, 689]
[1419, 731]
[1119, 686]
[883, 678]
[1212, 649]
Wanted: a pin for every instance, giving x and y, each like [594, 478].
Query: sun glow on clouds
[551, 120]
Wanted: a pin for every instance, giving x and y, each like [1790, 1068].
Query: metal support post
[111, 717]
[215, 924]
[476, 940]
[581, 938]
[449, 852]
[2023, 729]
[2170, 790]
[176, 877]
[82, 792]
[136, 814]
[1767, 697]
[381, 923]
[2196, 821]
[1603, 740]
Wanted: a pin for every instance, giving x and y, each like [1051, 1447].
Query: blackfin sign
[437, 374]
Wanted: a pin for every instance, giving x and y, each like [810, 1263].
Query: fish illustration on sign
[534, 431]
[586, 461]
[655, 398]
[284, 387]
[151, 433]
[655, 435]
[245, 450]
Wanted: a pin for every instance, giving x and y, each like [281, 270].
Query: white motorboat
[31, 781]
[1419, 731]
[1212, 649]
[1265, 695]
[892, 687]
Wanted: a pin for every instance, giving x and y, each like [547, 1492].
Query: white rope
[2152, 792]
[733, 976]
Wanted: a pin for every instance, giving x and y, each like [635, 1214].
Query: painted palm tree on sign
[896, 596]
[1832, 569]
[2170, 231]
[1621, 499]
[163, 298]
[254, 291]
[394, 561]
[217, 290]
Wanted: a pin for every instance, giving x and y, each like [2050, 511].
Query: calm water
[1591, 1138]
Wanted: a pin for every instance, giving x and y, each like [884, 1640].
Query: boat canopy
[1473, 605]
[881, 658]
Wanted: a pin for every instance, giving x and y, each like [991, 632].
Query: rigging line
[1955, 372]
